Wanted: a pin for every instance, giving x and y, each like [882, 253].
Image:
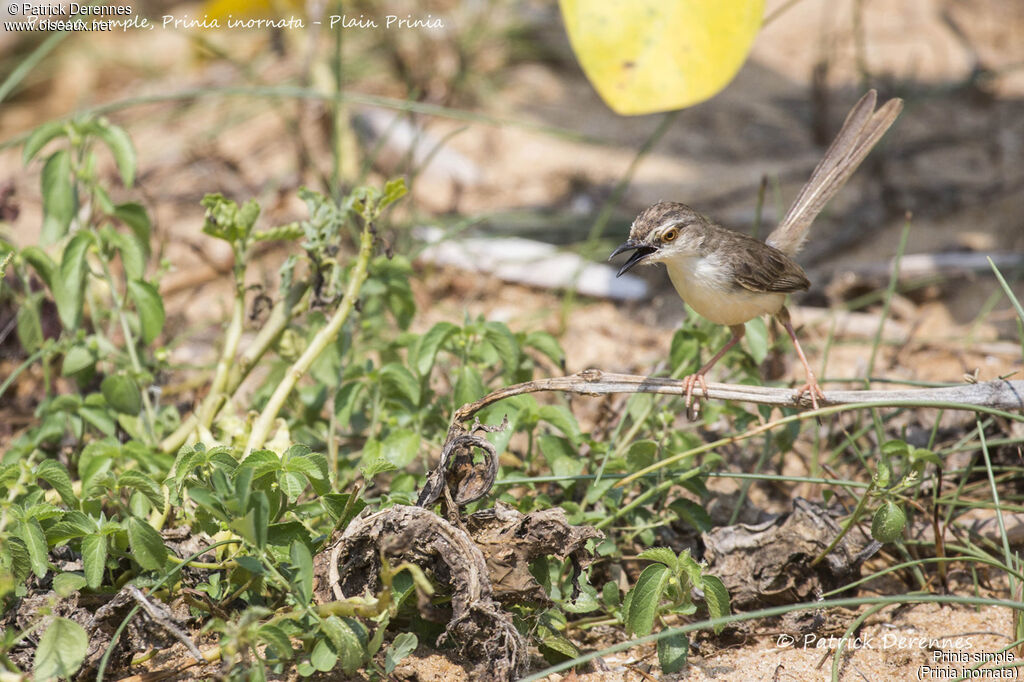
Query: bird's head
[660, 233]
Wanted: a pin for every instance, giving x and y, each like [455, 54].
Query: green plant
[663, 588]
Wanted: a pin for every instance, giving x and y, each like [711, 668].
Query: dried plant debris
[511, 540]
[770, 563]
[155, 626]
[481, 632]
[457, 478]
[485, 558]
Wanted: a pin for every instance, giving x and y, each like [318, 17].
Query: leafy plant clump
[118, 495]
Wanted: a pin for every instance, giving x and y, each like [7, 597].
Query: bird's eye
[670, 235]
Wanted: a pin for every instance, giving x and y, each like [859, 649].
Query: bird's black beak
[640, 251]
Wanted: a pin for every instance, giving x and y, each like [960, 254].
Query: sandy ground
[953, 162]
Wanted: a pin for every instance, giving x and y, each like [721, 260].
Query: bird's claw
[690, 382]
[812, 389]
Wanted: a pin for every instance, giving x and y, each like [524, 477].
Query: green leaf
[66, 584]
[546, 344]
[41, 263]
[21, 562]
[662, 555]
[39, 138]
[372, 461]
[100, 419]
[226, 220]
[896, 448]
[499, 336]
[120, 145]
[94, 559]
[72, 525]
[147, 546]
[561, 418]
[306, 466]
[641, 454]
[405, 643]
[688, 568]
[253, 526]
[284, 534]
[322, 657]
[557, 648]
[136, 480]
[122, 393]
[134, 215]
[277, 639]
[610, 595]
[645, 598]
[31, 533]
[43, 511]
[560, 455]
[150, 307]
[400, 447]
[30, 325]
[69, 287]
[340, 508]
[348, 645]
[54, 473]
[672, 652]
[925, 455]
[716, 597]
[133, 257]
[691, 513]
[292, 484]
[302, 562]
[400, 382]
[429, 345]
[61, 650]
[394, 190]
[585, 602]
[77, 359]
[469, 386]
[757, 339]
[261, 462]
[58, 197]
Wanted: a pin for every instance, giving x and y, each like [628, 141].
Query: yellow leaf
[222, 10]
[644, 56]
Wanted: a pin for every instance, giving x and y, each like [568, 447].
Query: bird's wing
[770, 272]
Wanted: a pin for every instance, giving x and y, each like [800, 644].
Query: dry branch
[997, 395]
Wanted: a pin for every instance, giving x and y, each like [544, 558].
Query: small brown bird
[729, 277]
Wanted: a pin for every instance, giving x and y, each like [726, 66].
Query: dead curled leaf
[478, 559]
[456, 470]
[485, 559]
[511, 540]
[771, 563]
[481, 632]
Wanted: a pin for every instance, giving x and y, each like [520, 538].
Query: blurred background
[499, 135]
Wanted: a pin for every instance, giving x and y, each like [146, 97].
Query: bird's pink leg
[811, 387]
[690, 382]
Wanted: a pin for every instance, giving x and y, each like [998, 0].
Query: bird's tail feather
[861, 131]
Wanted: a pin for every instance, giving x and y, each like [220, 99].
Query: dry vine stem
[997, 395]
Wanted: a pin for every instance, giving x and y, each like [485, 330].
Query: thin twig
[997, 395]
[162, 616]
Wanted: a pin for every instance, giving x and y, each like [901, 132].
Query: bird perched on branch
[729, 277]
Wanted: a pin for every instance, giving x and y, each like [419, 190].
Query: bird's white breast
[707, 286]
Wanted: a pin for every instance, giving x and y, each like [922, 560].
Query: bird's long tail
[861, 131]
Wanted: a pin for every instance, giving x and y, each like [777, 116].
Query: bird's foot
[690, 382]
[812, 389]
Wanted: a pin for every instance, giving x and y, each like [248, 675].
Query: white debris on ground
[529, 262]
